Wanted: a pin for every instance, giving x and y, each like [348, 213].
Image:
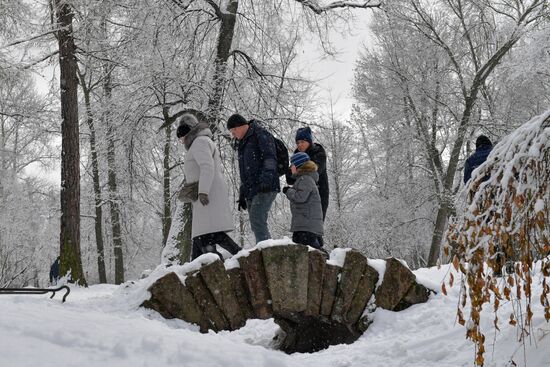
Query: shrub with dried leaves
[506, 221]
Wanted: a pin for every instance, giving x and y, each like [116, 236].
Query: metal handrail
[36, 291]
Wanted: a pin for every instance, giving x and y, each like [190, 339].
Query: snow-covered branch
[319, 9]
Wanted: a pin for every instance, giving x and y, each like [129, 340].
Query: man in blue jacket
[258, 172]
[483, 148]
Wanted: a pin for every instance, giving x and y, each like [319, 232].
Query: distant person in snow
[316, 152]
[305, 202]
[54, 271]
[483, 148]
[257, 170]
[212, 217]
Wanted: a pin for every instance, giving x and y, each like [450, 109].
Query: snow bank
[98, 326]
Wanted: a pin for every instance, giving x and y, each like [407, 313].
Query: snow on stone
[242, 253]
[404, 263]
[380, 267]
[338, 256]
[285, 241]
[204, 259]
[136, 291]
[231, 263]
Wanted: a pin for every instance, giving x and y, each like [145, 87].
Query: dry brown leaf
[507, 293]
[455, 262]
[512, 321]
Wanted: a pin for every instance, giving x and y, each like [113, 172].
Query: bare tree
[87, 88]
[71, 261]
[464, 36]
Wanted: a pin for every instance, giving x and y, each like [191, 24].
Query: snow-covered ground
[101, 326]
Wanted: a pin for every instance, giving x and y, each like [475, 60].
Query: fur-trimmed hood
[308, 169]
[309, 166]
[201, 129]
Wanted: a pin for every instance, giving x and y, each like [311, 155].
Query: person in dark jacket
[316, 152]
[257, 170]
[305, 202]
[54, 271]
[483, 148]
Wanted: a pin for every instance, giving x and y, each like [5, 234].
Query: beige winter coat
[203, 164]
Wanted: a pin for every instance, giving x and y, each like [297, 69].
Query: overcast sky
[335, 74]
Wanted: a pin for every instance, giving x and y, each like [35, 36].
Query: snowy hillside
[101, 326]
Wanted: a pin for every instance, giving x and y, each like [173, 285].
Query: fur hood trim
[201, 129]
[307, 167]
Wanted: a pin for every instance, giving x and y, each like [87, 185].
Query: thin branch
[40, 60]
[313, 5]
[31, 39]
[216, 8]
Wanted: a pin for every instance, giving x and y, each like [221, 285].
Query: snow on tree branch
[319, 9]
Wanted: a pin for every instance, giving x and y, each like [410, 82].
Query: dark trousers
[324, 206]
[207, 243]
[306, 238]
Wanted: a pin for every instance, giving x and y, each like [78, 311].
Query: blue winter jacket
[257, 161]
[476, 160]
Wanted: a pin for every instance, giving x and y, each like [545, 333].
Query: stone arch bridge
[316, 302]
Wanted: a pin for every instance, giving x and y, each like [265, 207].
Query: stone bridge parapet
[316, 302]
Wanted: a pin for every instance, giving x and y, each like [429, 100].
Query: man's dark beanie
[235, 121]
[304, 133]
[482, 140]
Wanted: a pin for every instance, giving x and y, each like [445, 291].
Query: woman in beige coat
[212, 217]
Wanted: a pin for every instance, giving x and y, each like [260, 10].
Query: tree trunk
[112, 181]
[335, 164]
[445, 201]
[225, 39]
[114, 200]
[2, 161]
[98, 220]
[185, 243]
[71, 261]
[167, 212]
[178, 245]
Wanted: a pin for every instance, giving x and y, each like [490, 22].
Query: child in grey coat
[305, 201]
